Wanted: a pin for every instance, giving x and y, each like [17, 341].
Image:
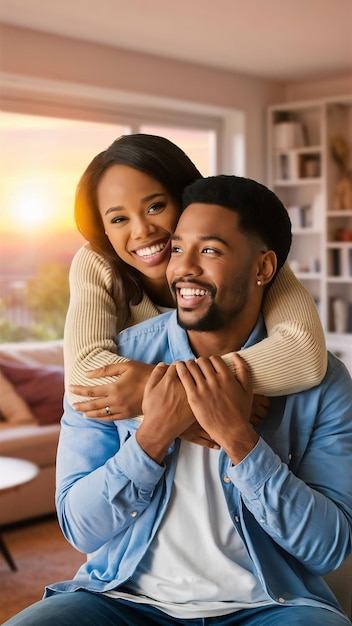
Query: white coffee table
[13, 473]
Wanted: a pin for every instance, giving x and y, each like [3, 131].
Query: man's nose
[187, 264]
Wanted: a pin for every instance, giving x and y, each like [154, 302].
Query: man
[182, 534]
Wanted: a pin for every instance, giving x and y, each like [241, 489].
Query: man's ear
[267, 265]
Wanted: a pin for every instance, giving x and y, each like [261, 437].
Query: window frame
[58, 99]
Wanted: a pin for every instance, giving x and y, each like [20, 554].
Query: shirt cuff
[137, 466]
[255, 469]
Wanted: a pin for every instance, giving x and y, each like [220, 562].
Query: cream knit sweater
[291, 359]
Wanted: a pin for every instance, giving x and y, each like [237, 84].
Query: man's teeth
[150, 250]
[189, 293]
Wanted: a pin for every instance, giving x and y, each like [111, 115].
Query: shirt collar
[179, 345]
[258, 333]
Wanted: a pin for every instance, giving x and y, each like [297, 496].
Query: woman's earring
[259, 282]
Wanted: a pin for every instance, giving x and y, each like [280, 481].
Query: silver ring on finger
[108, 410]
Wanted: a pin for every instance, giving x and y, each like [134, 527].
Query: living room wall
[35, 55]
[307, 90]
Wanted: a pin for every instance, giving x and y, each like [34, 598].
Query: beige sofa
[38, 443]
[24, 433]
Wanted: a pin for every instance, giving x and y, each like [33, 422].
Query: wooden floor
[42, 556]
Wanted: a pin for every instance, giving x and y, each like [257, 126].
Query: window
[41, 160]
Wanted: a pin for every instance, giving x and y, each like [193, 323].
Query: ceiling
[278, 39]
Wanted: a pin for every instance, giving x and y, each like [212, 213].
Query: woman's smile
[154, 252]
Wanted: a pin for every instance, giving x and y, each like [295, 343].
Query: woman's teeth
[145, 252]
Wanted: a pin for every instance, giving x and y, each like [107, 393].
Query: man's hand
[123, 396]
[221, 403]
[166, 412]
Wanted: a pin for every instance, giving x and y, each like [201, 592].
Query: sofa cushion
[40, 387]
[30, 442]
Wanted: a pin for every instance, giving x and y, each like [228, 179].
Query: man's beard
[216, 318]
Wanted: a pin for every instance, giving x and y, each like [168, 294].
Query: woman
[127, 205]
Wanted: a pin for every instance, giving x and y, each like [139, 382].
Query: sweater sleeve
[293, 357]
[92, 320]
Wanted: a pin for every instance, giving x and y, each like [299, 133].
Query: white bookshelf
[304, 175]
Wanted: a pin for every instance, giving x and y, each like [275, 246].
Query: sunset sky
[41, 161]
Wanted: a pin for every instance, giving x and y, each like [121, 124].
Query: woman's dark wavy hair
[155, 156]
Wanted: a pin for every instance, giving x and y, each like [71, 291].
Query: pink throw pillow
[42, 388]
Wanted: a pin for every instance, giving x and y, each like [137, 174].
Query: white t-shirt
[197, 565]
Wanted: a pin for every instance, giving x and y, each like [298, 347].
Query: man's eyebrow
[203, 238]
[149, 198]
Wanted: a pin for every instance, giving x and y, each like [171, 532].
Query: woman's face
[138, 215]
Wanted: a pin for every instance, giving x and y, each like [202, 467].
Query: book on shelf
[341, 262]
[301, 216]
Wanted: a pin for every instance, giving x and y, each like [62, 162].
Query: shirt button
[237, 519]
[227, 479]
[262, 520]
[290, 456]
[134, 514]
[282, 600]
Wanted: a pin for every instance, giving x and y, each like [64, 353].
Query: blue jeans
[88, 609]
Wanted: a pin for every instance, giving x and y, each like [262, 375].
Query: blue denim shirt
[290, 499]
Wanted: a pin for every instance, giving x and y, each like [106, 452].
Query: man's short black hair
[260, 211]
